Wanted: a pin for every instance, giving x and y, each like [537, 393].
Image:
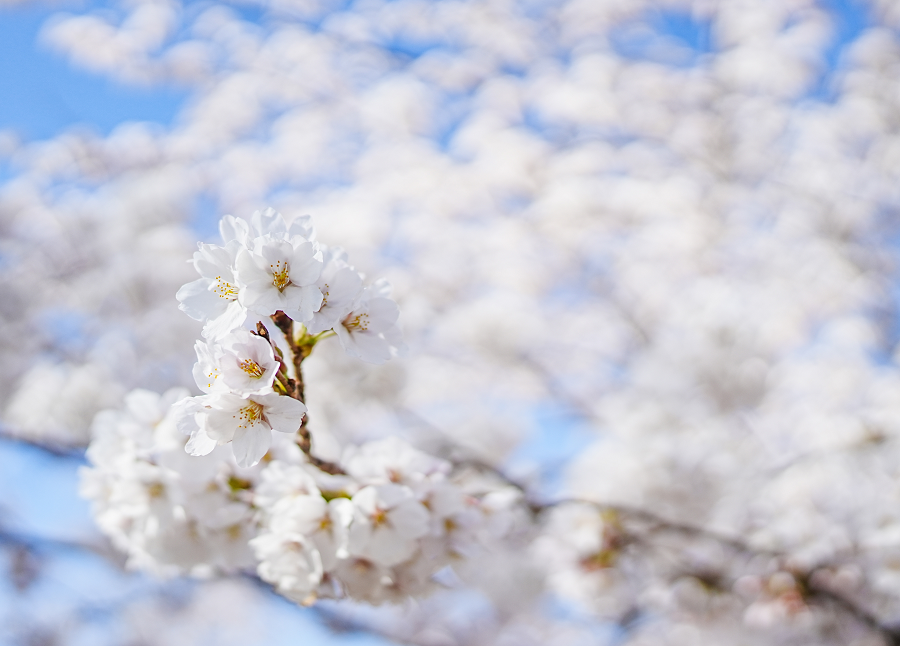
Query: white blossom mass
[596, 304]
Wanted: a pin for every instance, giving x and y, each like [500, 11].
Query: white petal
[232, 228]
[233, 317]
[283, 413]
[250, 444]
[248, 269]
[383, 313]
[371, 348]
[410, 519]
[301, 302]
[305, 264]
[198, 302]
[268, 222]
[200, 444]
[262, 297]
[212, 261]
[184, 412]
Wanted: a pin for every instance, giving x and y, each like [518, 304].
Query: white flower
[188, 414]
[241, 363]
[370, 331]
[341, 287]
[289, 562]
[268, 222]
[248, 422]
[391, 460]
[206, 370]
[280, 481]
[247, 362]
[169, 512]
[280, 274]
[364, 580]
[214, 296]
[323, 522]
[387, 522]
[295, 505]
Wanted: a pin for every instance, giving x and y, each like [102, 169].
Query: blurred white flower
[341, 287]
[370, 331]
[387, 521]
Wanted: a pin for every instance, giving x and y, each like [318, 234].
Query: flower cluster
[169, 512]
[269, 268]
[376, 526]
[267, 265]
[378, 532]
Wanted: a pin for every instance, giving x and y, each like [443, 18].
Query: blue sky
[41, 94]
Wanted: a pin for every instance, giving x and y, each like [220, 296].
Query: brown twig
[297, 390]
[815, 591]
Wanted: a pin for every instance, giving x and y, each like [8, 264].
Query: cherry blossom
[387, 521]
[370, 331]
[262, 223]
[341, 287]
[247, 423]
[280, 274]
[247, 363]
[214, 296]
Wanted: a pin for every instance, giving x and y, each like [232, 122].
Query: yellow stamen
[249, 415]
[359, 322]
[379, 517]
[251, 368]
[280, 274]
[224, 289]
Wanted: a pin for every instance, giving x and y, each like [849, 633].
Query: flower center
[249, 415]
[224, 289]
[280, 274]
[251, 368]
[379, 517]
[359, 322]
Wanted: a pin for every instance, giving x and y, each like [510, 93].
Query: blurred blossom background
[645, 253]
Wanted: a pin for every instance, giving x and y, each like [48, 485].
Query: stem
[816, 592]
[296, 388]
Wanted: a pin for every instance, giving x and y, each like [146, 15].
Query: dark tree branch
[63, 451]
[43, 544]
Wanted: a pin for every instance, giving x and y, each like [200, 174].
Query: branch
[576, 405]
[662, 524]
[815, 590]
[818, 592]
[68, 452]
[297, 390]
[42, 544]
